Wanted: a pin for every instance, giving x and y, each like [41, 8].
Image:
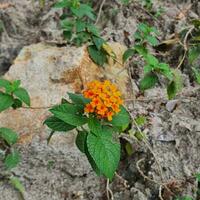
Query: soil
[165, 164]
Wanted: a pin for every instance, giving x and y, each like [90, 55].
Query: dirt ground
[165, 165]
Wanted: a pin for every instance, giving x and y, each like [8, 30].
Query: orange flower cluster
[105, 99]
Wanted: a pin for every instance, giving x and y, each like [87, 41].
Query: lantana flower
[105, 99]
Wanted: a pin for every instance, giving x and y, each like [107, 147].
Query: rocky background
[32, 50]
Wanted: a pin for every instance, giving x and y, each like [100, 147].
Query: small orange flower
[105, 99]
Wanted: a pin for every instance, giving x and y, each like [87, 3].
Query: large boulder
[59, 170]
[48, 73]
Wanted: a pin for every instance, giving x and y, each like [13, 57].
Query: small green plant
[11, 95]
[146, 36]
[148, 4]
[99, 117]
[79, 28]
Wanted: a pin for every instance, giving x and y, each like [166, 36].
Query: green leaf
[93, 29]
[148, 81]
[6, 101]
[105, 152]
[58, 125]
[95, 125]
[12, 160]
[15, 85]
[165, 70]
[5, 84]
[152, 40]
[141, 50]
[83, 10]
[81, 139]
[69, 114]
[92, 162]
[98, 41]
[121, 119]
[198, 177]
[98, 56]
[143, 27]
[62, 4]
[171, 90]
[16, 183]
[129, 149]
[80, 26]
[23, 95]
[148, 69]
[151, 60]
[8, 135]
[78, 99]
[141, 120]
[127, 54]
[194, 54]
[17, 104]
[196, 75]
[175, 85]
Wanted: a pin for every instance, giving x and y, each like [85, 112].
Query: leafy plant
[146, 36]
[79, 28]
[11, 95]
[98, 117]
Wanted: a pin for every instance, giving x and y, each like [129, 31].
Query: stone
[48, 73]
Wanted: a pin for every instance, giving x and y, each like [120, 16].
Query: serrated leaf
[23, 95]
[12, 159]
[6, 101]
[121, 119]
[58, 125]
[105, 152]
[78, 99]
[16, 183]
[8, 135]
[81, 139]
[69, 114]
[148, 81]
[127, 54]
[97, 56]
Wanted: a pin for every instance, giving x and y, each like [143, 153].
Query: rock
[25, 23]
[171, 105]
[137, 194]
[48, 73]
